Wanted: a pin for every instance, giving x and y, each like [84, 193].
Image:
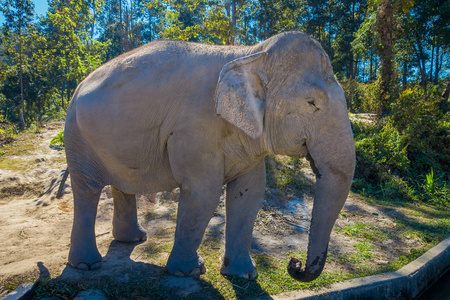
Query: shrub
[361, 97]
[58, 138]
[406, 155]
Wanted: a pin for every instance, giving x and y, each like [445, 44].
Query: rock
[38, 160]
[91, 295]
[23, 292]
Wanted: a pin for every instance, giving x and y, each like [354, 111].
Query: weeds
[58, 139]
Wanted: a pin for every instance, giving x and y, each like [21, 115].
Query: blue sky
[40, 8]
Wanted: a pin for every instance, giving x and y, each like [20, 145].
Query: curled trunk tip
[296, 271]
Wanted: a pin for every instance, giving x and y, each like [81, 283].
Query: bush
[361, 97]
[407, 154]
[58, 138]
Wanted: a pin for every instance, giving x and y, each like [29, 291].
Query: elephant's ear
[240, 94]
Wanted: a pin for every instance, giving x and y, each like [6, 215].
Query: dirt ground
[35, 226]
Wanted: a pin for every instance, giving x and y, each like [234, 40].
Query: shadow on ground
[121, 277]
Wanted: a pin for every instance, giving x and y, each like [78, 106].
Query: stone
[23, 292]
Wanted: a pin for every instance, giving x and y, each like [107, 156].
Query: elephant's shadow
[121, 276]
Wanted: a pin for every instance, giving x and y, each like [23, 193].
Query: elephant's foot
[192, 267]
[241, 267]
[85, 260]
[129, 233]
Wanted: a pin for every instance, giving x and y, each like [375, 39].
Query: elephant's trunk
[334, 165]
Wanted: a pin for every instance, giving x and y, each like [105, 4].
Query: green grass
[16, 164]
[365, 231]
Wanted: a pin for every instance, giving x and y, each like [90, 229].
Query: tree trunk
[93, 20]
[350, 68]
[385, 25]
[22, 101]
[431, 63]
[437, 68]
[228, 10]
[120, 27]
[233, 22]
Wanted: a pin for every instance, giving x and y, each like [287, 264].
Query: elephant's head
[286, 94]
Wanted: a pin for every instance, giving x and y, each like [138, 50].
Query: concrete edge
[407, 283]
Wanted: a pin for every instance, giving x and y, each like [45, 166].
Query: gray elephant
[176, 114]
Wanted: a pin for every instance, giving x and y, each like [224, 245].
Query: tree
[387, 26]
[18, 17]
[197, 21]
[74, 54]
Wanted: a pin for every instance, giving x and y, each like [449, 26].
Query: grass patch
[16, 164]
[364, 249]
[24, 144]
[362, 230]
[285, 173]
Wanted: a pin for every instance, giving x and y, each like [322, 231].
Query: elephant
[179, 114]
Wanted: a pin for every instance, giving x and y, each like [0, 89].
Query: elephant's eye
[312, 103]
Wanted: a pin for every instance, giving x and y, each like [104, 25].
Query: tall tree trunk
[371, 66]
[431, 63]
[233, 22]
[127, 29]
[437, 68]
[421, 64]
[22, 101]
[350, 69]
[228, 11]
[385, 25]
[93, 19]
[120, 27]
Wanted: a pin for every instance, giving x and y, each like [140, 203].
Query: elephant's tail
[61, 185]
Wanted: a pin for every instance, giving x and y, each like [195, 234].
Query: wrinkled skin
[175, 114]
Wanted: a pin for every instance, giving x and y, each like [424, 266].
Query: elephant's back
[127, 108]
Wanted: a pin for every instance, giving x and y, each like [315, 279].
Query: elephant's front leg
[244, 198]
[201, 177]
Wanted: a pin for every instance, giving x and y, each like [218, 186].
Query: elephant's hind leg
[83, 252]
[125, 224]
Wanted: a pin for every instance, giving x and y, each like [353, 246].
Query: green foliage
[361, 97]
[435, 190]
[404, 155]
[364, 249]
[197, 21]
[58, 139]
[284, 173]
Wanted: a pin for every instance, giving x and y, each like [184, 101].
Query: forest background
[390, 56]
